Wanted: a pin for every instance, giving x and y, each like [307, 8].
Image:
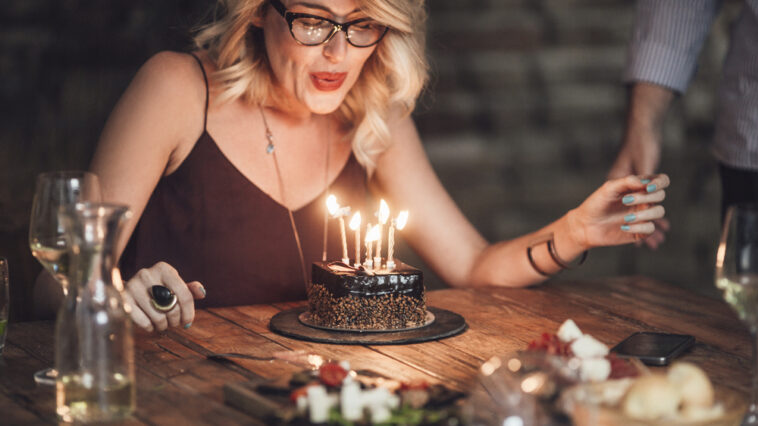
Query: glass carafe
[94, 352]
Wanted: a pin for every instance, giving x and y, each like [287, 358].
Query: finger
[185, 312]
[663, 224]
[174, 316]
[139, 288]
[646, 215]
[637, 198]
[197, 289]
[655, 239]
[138, 317]
[658, 182]
[639, 228]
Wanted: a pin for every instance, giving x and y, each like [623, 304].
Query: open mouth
[328, 81]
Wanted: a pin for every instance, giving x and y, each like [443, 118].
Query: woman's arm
[149, 133]
[446, 241]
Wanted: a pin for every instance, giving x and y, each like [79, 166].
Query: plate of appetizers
[571, 377]
[681, 395]
[333, 393]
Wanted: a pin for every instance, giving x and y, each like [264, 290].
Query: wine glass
[737, 277]
[54, 192]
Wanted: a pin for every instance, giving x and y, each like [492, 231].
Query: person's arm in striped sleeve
[667, 39]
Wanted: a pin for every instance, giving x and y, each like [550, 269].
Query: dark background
[522, 119]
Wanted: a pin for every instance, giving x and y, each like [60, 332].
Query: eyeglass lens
[313, 31]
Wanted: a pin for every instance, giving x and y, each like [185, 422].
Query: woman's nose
[336, 48]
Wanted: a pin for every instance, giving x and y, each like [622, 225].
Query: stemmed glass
[54, 192]
[737, 277]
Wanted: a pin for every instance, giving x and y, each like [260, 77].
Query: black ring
[162, 298]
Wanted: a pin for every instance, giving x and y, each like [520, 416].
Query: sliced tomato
[332, 374]
[415, 384]
[551, 344]
[301, 391]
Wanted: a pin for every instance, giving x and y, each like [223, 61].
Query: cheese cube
[569, 331]
[595, 370]
[588, 347]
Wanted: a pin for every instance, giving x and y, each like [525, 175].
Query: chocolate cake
[342, 296]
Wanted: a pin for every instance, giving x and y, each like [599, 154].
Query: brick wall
[522, 119]
[525, 115]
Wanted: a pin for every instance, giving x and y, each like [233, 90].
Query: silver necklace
[271, 150]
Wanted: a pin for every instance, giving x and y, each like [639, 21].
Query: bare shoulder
[160, 116]
[169, 92]
[172, 74]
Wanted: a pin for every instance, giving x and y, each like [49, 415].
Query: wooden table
[177, 384]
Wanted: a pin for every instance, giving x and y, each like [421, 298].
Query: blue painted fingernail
[186, 326]
[652, 187]
[624, 227]
[203, 290]
[628, 199]
[630, 217]
[644, 181]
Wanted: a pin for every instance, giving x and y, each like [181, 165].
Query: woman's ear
[258, 18]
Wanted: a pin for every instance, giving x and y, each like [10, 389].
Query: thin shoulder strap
[205, 78]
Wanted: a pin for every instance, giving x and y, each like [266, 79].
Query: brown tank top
[215, 226]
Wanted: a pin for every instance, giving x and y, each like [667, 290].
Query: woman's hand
[138, 295]
[621, 211]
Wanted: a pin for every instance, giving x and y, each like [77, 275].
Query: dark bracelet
[557, 259]
[533, 263]
[531, 259]
[553, 254]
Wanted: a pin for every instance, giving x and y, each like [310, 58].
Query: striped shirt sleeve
[667, 39]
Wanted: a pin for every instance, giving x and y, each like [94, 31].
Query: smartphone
[654, 348]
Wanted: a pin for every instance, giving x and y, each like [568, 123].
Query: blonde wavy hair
[392, 78]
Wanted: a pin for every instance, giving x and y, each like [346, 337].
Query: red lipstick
[328, 81]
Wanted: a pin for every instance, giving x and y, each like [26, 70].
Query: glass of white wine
[737, 278]
[55, 192]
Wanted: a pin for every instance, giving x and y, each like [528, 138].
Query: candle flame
[332, 205]
[373, 234]
[355, 221]
[401, 220]
[384, 212]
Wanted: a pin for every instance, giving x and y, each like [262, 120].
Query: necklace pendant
[270, 146]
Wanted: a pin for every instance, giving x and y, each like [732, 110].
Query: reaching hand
[138, 296]
[641, 151]
[621, 211]
[639, 155]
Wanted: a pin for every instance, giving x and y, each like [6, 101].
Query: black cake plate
[445, 324]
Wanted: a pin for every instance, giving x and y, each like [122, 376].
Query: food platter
[286, 400]
[582, 403]
[572, 377]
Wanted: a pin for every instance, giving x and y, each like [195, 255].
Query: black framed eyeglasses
[313, 30]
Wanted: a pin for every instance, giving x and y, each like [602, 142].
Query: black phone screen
[654, 348]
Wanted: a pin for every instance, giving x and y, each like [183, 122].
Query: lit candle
[398, 223]
[355, 225]
[383, 215]
[372, 234]
[335, 211]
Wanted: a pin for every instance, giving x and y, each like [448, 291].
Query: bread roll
[692, 383]
[651, 397]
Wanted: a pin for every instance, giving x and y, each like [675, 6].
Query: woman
[226, 158]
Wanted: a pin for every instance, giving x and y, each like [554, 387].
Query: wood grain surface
[178, 384]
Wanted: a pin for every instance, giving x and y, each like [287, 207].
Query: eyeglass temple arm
[279, 6]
